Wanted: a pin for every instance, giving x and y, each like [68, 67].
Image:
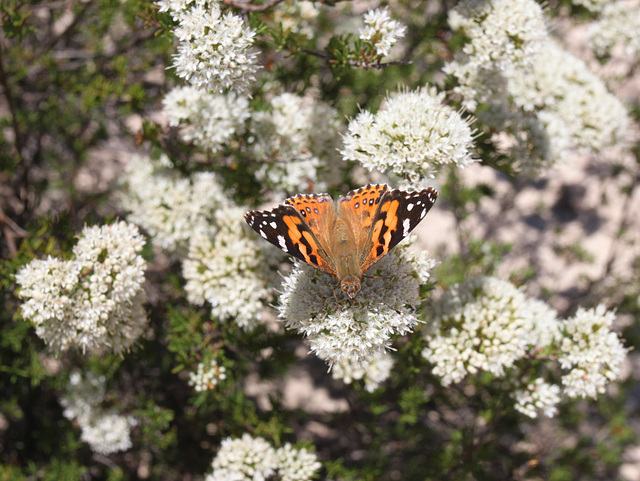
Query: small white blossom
[104, 430]
[538, 396]
[82, 395]
[246, 458]
[485, 324]
[360, 329]
[94, 302]
[107, 432]
[412, 134]
[207, 376]
[168, 206]
[296, 464]
[591, 351]
[228, 270]
[619, 24]
[381, 31]
[215, 51]
[374, 371]
[208, 120]
[292, 140]
[254, 459]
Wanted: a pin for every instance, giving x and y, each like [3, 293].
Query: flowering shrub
[148, 332]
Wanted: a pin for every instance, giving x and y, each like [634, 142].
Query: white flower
[215, 51]
[246, 458]
[208, 120]
[168, 206]
[229, 271]
[94, 302]
[296, 464]
[619, 23]
[538, 396]
[501, 32]
[293, 140]
[207, 376]
[107, 432]
[591, 351]
[485, 324]
[362, 328]
[374, 371]
[83, 395]
[381, 31]
[413, 134]
[254, 459]
[104, 430]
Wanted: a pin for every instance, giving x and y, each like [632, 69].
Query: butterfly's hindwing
[286, 229]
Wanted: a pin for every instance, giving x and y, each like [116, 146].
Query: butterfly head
[350, 285]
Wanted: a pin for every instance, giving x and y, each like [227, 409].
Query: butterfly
[346, 237]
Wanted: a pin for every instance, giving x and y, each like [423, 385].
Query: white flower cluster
[619, 24]
[104, 430]
[254, 459]
[380, 31]
[215, 51]
[543, 106]
[501, 32]
[207, 376]
[94, 302]
[572, 103]
[168, 206]
[591, 351]
[297, 17]
[293, 140]
[538, 396]
[209, 120]
[485, 324]
[413, 134]
[228, 270]
[361, 329]
[374, 371]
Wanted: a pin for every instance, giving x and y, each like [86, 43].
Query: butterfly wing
[398, 213]
[288, 229]
[358, 208]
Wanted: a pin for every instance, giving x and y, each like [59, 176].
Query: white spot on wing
[423, 213]
[263, 234]
[406, 225]
[282, 243]
[273, 224]
[410, 207]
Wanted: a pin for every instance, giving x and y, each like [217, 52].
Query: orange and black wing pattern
[293, 227]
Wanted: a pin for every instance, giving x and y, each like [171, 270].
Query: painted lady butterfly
[344, 238]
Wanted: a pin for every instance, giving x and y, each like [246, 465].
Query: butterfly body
[347, 237]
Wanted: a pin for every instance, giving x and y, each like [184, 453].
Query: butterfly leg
[336, 297]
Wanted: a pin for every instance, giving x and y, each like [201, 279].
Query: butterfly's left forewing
[397, 215]
[285, 228]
